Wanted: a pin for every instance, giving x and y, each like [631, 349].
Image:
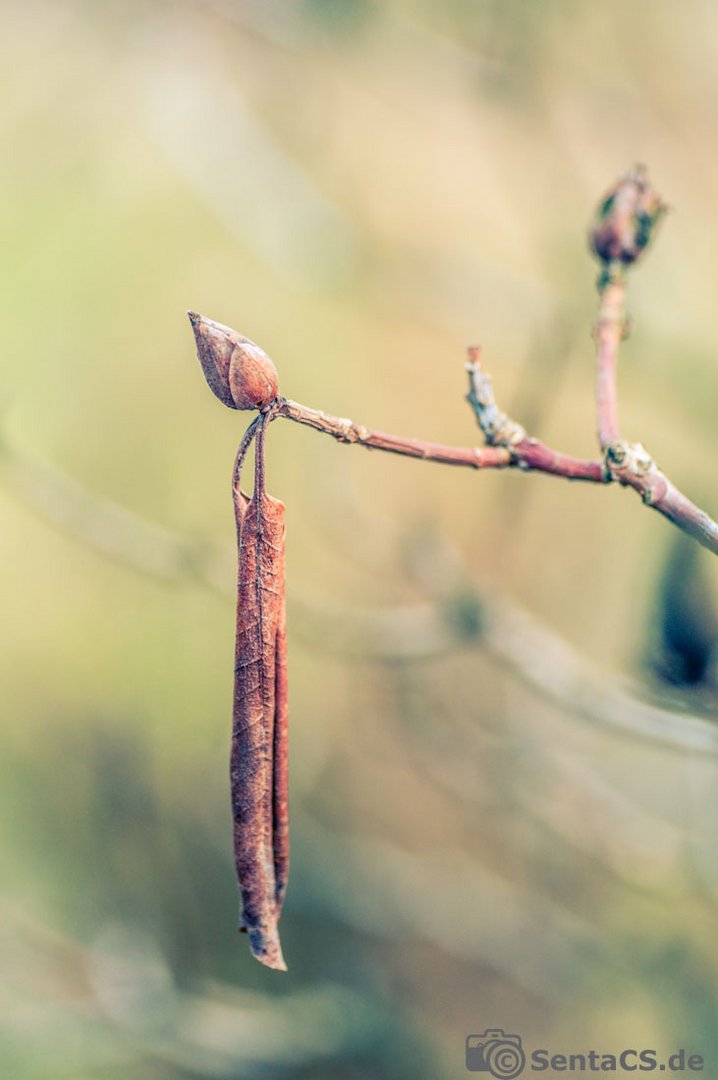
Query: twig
[609, 331]
[346, 431]
[621, 232]
[629, 463]
[508, 445]
[530, 454]
[632, 466]
[501, 431]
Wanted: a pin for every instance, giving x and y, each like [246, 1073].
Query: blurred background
[490, 827]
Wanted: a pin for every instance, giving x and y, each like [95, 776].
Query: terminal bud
[238, 371]
[626, 219]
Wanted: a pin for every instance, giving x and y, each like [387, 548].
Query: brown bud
[626, 219]
[238, 371]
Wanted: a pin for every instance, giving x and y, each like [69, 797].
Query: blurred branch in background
[555, 789]
[106, 526]
[535, 941]
[116, 1004]
[210, 136]
[466, 617]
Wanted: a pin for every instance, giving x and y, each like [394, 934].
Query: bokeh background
[363, 188]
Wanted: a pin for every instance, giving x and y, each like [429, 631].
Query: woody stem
[528, 454]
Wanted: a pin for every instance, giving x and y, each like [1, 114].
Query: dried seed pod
[238, 371]
[626, 219]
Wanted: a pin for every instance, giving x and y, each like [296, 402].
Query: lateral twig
[525, 454]
[346, 431]
[621, 232]
[609, 331]
[500, 430]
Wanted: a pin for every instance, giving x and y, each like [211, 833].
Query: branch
[501, 431]
[346, 431]
[523, 453]
[243, 377]
[609, 331]
[629, 463]
[633, 467]
[621, 232]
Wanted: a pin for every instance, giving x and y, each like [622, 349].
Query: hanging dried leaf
[280, 782]
[258, 768]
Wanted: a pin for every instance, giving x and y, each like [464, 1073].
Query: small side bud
[626, 219]
[237, 371]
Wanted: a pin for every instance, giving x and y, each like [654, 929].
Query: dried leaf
[280, 784]
[258, 768]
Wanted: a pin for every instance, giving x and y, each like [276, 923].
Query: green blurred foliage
[362, 188]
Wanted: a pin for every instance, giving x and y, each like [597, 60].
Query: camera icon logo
[496, 1053]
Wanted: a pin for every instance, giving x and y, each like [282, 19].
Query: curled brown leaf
[258, 769]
